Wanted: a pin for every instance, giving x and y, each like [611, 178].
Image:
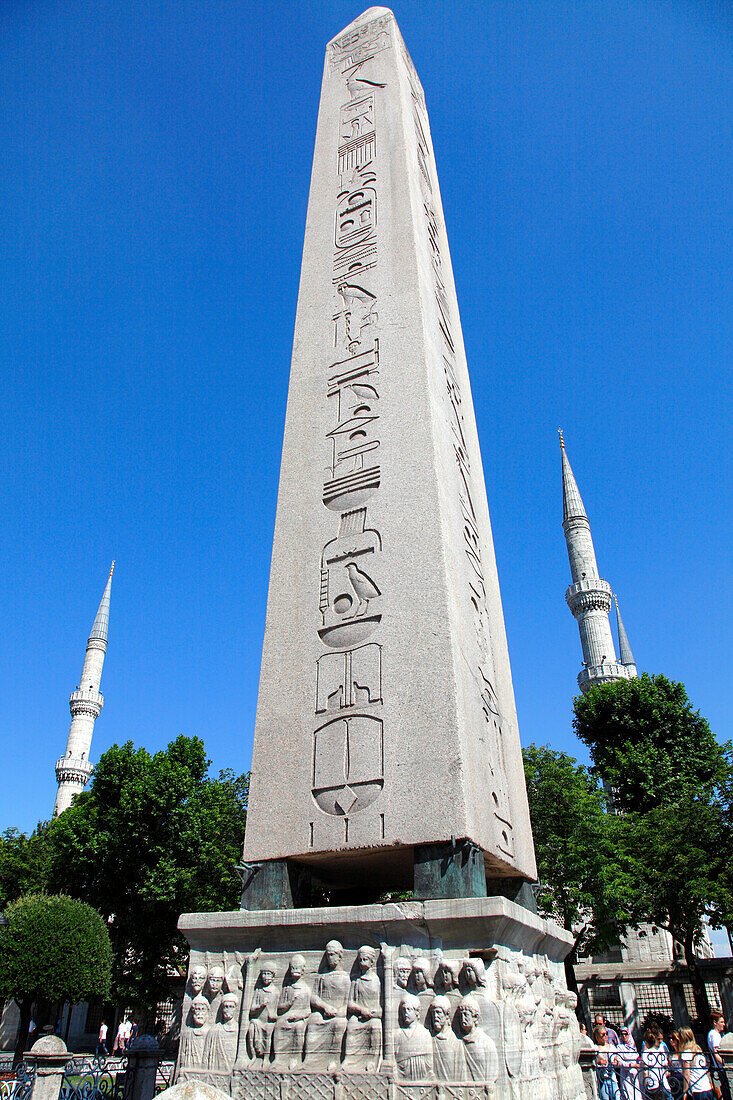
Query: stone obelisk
[386, 752]
[386, 719]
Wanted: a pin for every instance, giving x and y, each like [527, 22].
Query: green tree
[53, 949]
[671, 783]
[582, 880]
[24, 863]
[153, 837]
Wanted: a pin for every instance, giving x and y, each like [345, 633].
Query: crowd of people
[661, 1069]
[126, 1032]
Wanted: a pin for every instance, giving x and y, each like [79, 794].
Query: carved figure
[193, 1035]
[293, 1010]
[491, 1020]
[413, 1049]
[401, 970]
[197, 980]
[262, 1013]
[512, 985]
[448, 1060]
[364, 1010]
[214, 990]
[423, 985]
[220, 1047]
[479, 1049]
[327, 1022]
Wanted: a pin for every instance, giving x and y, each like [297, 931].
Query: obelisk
[386, 721]
[386, 754]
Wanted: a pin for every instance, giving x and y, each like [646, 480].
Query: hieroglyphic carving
[348, 764]
[349, 679]
[361, 42]
[349, 600]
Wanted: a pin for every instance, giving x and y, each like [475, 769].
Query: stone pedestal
[49, 1056]
[424, 1000]
[143, 1057]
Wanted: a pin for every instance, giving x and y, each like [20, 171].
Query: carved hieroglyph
[354, 1015]
[385, 666]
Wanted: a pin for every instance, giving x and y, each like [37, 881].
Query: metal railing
[624, 1074]
[93, 1079]
[16, 1081]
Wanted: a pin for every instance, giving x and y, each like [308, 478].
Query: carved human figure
[422, 984]
[327, 1022]
[293, 1010]
[448, 1060]
[530, 1053]
[213, 990]
[402, 969]
[413, 1048]
[576, 1087]
[479, 1049]
[491, 1019]
[193, 1035]
[220, 1047]
[512, 988]
[364, 1011]
[262, 1013]
[197, 980]
[447, 982]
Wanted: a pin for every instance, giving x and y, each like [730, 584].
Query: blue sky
[156, 157]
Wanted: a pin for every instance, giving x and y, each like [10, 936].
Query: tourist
[600, 1021]
[714, 1036]
[655, 1065]
[132, 1035]
[695, 1067]
[120, 1038]
[606, 1064]
[102, 1051]
[628, 1071]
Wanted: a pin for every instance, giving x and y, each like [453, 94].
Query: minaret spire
[626, 657]
[589, 596]
[73, 770]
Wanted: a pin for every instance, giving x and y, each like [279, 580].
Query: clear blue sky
[155, 166]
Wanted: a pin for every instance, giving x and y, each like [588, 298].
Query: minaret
[589, 597]
[73, 770]
[626, 657]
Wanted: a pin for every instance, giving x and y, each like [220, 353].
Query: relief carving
[358, 314]
[364, 1027]
[357, 117]
[220, 1047]
[449, 1063]
[348, 764]
[349, 679]
[479, 1049]
[193, 1036]
[262, 1013]
[413, 1049]
[292, 1012]
[327, 1023]
[348, 585]
[369, 38]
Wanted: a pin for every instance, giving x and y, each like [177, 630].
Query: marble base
[431, 1000]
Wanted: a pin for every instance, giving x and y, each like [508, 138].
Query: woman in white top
[694, 1067]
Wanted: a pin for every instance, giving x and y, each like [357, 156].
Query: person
[698, 1084]
[102, 1051]
[628, 1072]
[655, 1063]
[714, 1036]
[600, 1021]
[606, 1064]
[133, 1033]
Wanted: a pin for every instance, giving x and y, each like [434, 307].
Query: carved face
[297, 966]
[366, 959]
[402, 972]
[420, 978]
[468, 1016]
[471, 976]
[228, 1008]
[334, 954]
[199, 1011]
[267, 977]
[216, 979]
[409, 1011]
[198, 978]
[447, 977]
[440, 1017]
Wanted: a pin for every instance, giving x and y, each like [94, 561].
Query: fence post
[143, 1056]
[49, 1056]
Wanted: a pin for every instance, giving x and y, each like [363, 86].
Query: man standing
[102, 1051]
[611, 1035]
[716, 1062]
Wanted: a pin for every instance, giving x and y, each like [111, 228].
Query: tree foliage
[672, 783]
[153, 837]
[24, 863]
[582, 878]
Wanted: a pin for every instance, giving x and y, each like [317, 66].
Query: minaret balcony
[607, 673]
[73, 769]
[86, 701]
[589, 594]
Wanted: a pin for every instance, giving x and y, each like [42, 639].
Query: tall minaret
[589, 597]
[73, 770]
[626, 657]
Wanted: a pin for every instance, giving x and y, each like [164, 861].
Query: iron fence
[93, 1079]
[624, 1074]
[16, 1081]
[164, 1076]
